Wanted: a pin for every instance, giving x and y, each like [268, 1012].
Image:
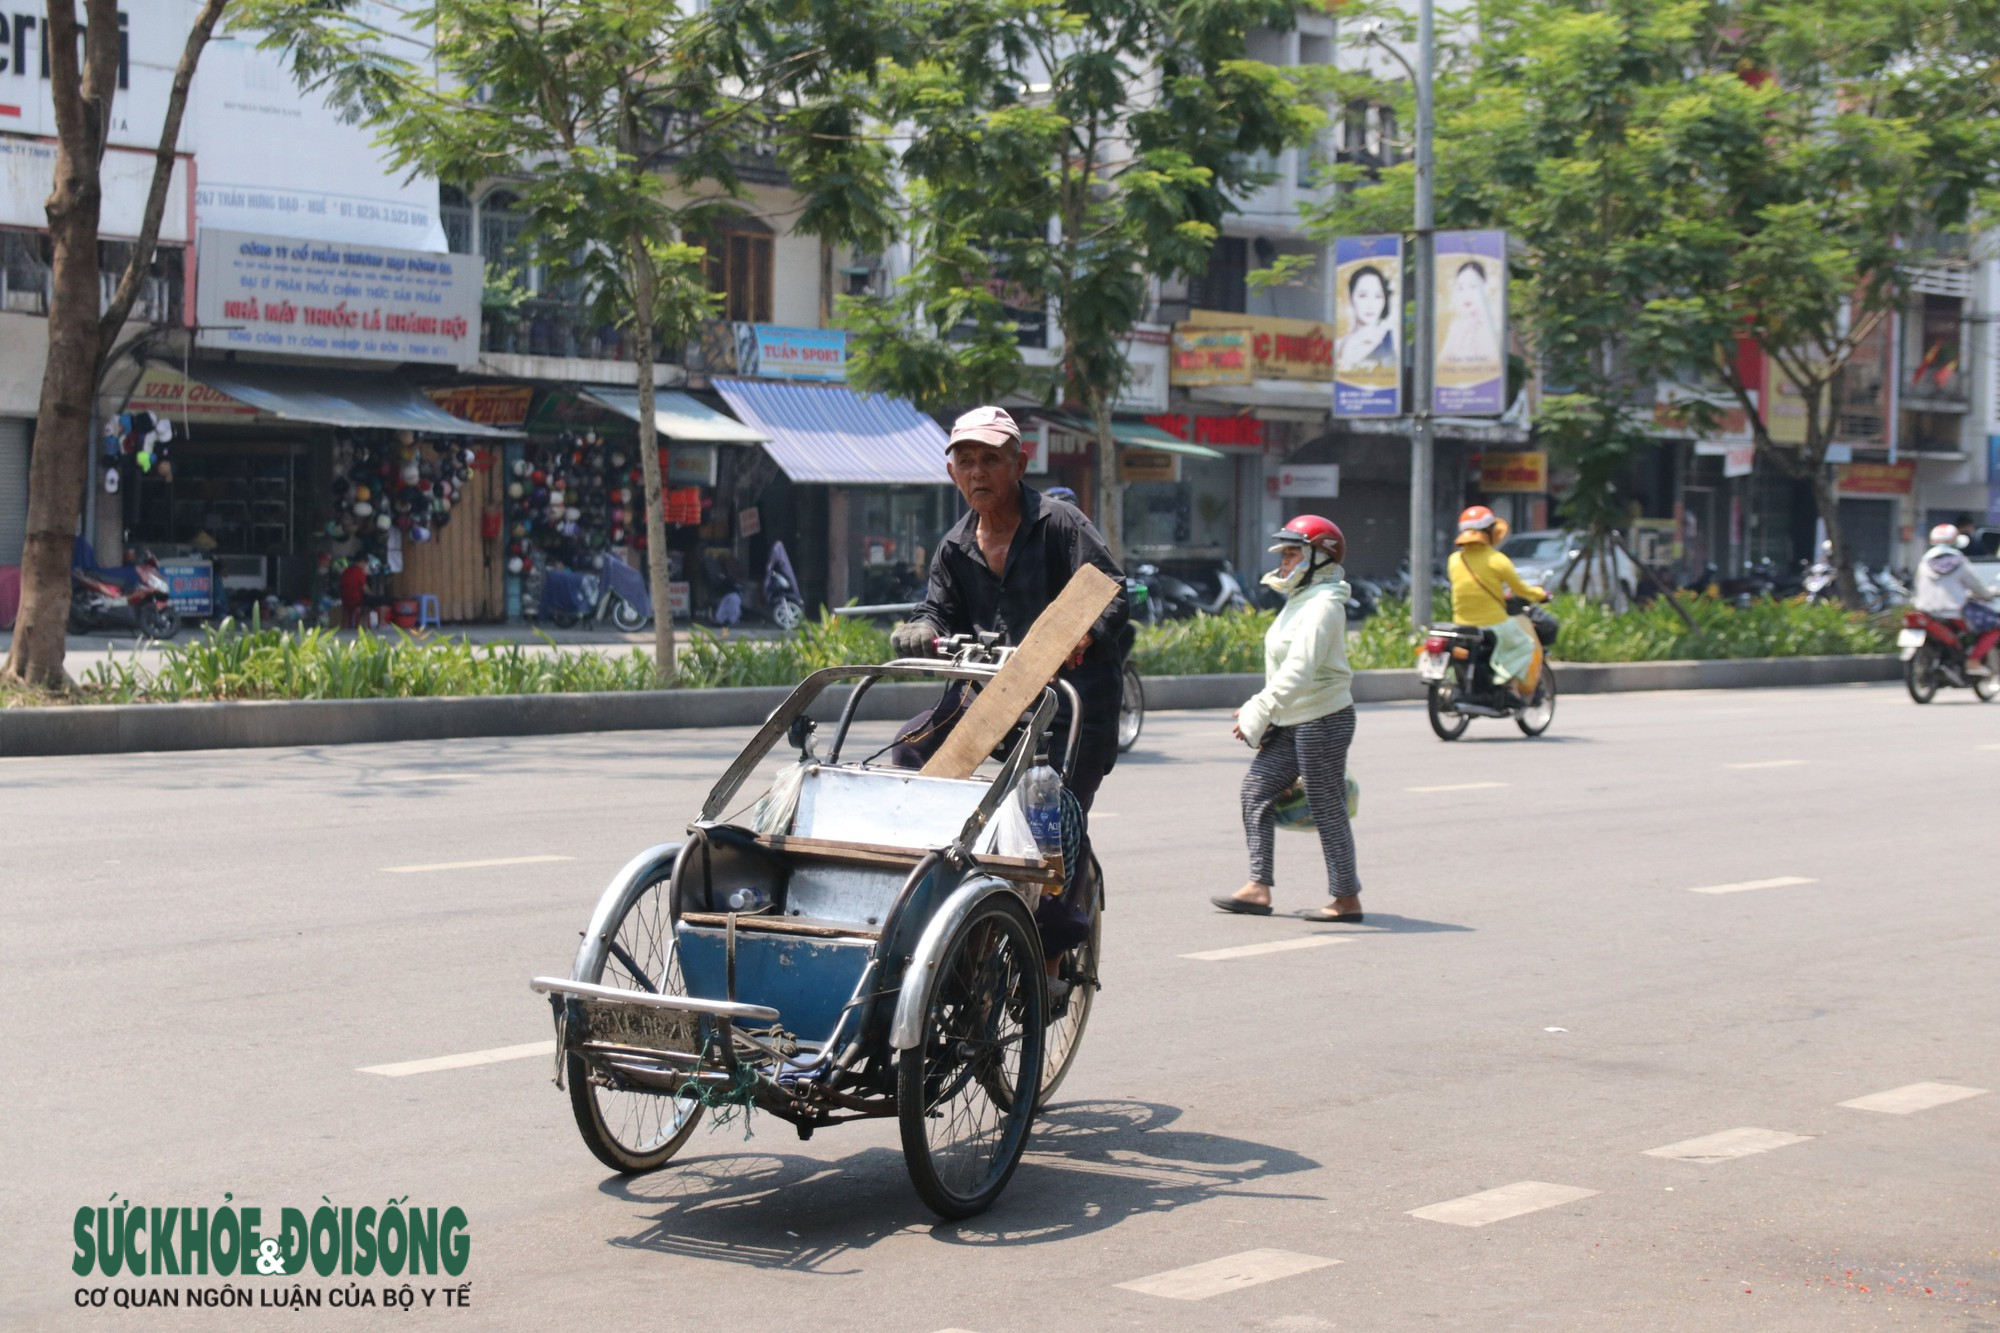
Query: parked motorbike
[1456, 666]
[782, 603]
[1171, 598]
[96, 602]
[615, 593]
[1939, 652]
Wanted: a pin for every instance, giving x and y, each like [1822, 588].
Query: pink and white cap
[984, 425]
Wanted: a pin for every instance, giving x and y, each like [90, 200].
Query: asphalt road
[204, 951]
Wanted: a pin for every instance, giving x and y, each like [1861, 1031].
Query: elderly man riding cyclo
[994, 572]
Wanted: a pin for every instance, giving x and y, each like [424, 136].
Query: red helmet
[1312, 530]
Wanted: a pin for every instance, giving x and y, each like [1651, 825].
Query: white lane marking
[1989, 747]
[1460, 786]
[1497, 1205]
[495, 1056]
[1275, 946]
[1729, 1144]
[1198, 1282]
[1781, 882]
[1772, 763]
[475, 865]
[1913, 1097]
[431, 777]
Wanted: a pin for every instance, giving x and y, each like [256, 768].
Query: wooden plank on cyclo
[1019, 683]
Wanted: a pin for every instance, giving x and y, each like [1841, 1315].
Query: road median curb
[129, 728]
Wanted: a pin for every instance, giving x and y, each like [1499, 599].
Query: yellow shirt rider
[1482, 579]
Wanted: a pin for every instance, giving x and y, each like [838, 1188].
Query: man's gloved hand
[912, 638]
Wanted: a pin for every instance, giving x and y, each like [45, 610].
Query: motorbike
[1455, 665]
[615, 593]
[1171, 598]
[96, 602]
[782, 603]
[1940, 652]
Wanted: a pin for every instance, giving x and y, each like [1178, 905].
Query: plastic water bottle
[749, 898]
[1041, 795]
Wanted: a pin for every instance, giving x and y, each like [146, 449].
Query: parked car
[1542, 557]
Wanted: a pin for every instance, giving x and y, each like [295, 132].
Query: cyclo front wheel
[965, 1096]
[1064, 1034]
[629, 1130]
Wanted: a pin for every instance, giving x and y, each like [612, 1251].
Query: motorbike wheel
[1987, 687]
[158, 622]
[786, 613]
[1446, 721]
[1534, 719]
[1131, 709]
[627, 617]
[562, 619]
[1920, 674]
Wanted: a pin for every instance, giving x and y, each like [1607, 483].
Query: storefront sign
[1319, 480]
[1280, 349]
[772, 352]
[1148, 465]
[689, 464]
[1471, 287]
[1147, 361]
[190, 586]
[1367, 326]
[1875, 478]
[1784, 407]
[749, 522]
[677, 599]
[1740, 461]
[263, 293]
[1220, 432]
[1210, 356]
[487, 404]
[167, 393]
[28, 177]
[1504, 473]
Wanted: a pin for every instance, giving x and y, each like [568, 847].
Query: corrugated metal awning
[830, 435]
[678, 416]
[338, 398]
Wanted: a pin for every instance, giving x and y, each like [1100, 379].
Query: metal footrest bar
[687, 1004]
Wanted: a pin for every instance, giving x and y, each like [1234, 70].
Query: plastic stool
[427, 611]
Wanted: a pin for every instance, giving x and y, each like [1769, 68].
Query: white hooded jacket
[1305, 659]
[1946, 582]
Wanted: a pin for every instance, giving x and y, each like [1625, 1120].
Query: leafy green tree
[1685, 178]
[82, 62]
[623, 124]
[1062, 153]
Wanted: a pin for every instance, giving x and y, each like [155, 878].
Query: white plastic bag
[1008, 833]
[773, 812]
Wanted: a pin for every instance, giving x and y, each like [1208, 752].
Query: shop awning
[678, 416]
[337, 398]
[1132, 434]
[826, 434]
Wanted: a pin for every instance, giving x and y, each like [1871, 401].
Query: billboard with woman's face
[1368, 326]
[1471, 323]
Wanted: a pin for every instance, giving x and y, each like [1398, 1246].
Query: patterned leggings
[1318, 749]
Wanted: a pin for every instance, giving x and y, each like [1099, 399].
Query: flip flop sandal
[1321, 914]
[1242, 906]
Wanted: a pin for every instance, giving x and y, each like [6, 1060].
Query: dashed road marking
[1275, 946]
[498, 1055]
[1772, 763]
[1198, 1282]
[1780, 882]
[430, 777]
[1913, 1097]
[476, 865]
[1459, 786]
[1497, 1205]
[1729, 1144]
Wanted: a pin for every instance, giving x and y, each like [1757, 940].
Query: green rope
[727, 1101]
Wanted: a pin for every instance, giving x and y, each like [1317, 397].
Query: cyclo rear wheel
[634, 1131]
[965, 1096]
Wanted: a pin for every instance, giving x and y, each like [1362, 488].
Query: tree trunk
[1110, 490]
[643, 293]
[1826, 498]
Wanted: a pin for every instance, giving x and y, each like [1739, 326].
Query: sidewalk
[85, 651]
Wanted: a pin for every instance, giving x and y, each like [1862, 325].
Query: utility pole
[1425, 278]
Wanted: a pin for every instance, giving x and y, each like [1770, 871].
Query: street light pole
[1426, 350]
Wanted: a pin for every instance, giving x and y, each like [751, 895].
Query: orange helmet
[1478, 524]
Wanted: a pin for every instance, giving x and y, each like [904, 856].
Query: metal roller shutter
[13, 488]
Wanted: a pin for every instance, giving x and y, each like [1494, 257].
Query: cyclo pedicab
[865, 947]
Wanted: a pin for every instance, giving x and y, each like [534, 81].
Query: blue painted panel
[807, 980]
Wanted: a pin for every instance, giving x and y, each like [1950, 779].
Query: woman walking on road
[1302, 721]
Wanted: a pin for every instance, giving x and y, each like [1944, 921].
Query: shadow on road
[1089, 1166]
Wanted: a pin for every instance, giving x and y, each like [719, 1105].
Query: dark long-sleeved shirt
[1052, 543]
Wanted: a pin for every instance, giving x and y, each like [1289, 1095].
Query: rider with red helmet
[1302, 721]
